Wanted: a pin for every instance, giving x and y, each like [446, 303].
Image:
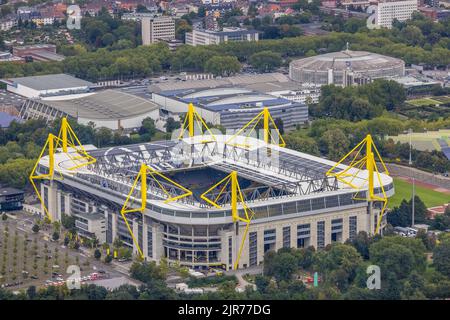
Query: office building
[205, 37]
[157, 28]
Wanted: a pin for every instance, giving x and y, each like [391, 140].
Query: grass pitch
[403, 190]
[423, 102]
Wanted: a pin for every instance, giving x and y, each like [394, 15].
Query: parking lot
[27, 258]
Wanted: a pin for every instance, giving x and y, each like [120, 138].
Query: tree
[182, 26]
[103, 136]
[399, 255]
[401, 216]
[334, 143]
[97, 254]
[15, 172]
[281, 265]
[148, 127]
[31, 292]
[223, 65]
[339, 264]
[441, 258]
[265, 61]
[362, 243]
[172, 125]
[302, 144]
[35, 228]
[55, 236]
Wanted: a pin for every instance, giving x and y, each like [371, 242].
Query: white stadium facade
[113, 109]
[295, 203]
[345, 68]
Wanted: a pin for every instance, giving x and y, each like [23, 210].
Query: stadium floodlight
[146, 172]
[67, 142]
[194, 125]
[248, 129]
[236, 196]
[359, 162]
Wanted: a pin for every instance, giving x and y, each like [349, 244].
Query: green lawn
[403, 190]
[423, 102]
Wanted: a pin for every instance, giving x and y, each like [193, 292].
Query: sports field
[403, 190]
[423, 102]
[430, 140]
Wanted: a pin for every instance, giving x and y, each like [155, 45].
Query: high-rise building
[390, 10]
[157, 28]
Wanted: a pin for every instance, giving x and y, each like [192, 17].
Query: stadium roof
[50, 82]
[342, 60]
[104, 105]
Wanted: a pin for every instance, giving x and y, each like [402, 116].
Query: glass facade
[353, 227]
[253, 248]
[303, 235]
[286, 237]
[320, 234]
[270, 238]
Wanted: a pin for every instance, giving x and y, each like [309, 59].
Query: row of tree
[333, 138]
[21, 143]
[359, 102]
[149, 60]
[342, 269]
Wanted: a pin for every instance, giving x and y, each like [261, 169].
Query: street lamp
[412, 177]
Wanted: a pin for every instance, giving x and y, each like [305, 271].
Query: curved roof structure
[104, 105]
[355, 60]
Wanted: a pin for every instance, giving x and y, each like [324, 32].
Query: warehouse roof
[50, 82]
[225, 98]
[104, 105]
[239, 80]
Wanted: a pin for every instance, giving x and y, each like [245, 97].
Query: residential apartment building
[157, 28]
[205, 37]
[8, 24]
[390, 10]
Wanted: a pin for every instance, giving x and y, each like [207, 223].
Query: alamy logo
[374, 280]
[74, 280]
[73, 17]
[372, 20]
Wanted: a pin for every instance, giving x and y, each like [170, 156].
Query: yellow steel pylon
[266, 119]
[147, 172]
[192, 120]
[368, 160]
[236, 196]
[78, 155]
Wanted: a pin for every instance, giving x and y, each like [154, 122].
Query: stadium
[210, 200]
[345, 68]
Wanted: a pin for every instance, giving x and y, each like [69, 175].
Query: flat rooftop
[104, 105]
[49, 82]
[8, 191]
[225, 98]
[239, 80]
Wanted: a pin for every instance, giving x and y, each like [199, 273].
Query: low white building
[113, 109]
[46, 85]
[206, 37]
[8, 24]
[306, 94]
